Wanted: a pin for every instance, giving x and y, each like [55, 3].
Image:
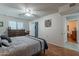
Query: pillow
[6, 38]
[5, 43]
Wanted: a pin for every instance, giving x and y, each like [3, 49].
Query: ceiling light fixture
[28, 12]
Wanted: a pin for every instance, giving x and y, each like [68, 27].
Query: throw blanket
[45, 43]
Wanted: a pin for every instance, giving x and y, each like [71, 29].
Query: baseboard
[54, 44]
[63, 46]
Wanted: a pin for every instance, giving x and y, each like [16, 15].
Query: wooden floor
[54, 50]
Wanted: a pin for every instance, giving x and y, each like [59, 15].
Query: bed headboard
[13, 33]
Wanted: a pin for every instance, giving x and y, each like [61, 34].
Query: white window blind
[20, 25]
[12, 24]
[16, 25]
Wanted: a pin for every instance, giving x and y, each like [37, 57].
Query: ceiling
[39, 9]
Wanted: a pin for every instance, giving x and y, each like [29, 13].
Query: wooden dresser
[13, 33]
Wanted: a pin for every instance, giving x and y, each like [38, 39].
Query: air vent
[72, 4]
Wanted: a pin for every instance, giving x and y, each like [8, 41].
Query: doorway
[72, 31]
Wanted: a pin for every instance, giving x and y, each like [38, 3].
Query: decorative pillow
[6, 38]
[5, 43]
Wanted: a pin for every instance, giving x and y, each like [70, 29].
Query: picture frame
[1, 24]
[48, 23]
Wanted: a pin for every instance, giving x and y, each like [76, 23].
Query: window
[19, 25]
[12, 24]
[16, 25]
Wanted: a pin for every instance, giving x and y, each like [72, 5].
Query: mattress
[23, 45]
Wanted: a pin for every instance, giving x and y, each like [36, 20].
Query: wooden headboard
[13, 33]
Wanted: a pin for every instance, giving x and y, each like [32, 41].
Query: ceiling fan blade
[22, 14]
[35, 15]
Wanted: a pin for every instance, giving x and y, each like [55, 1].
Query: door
[36, 29]
[72, 31]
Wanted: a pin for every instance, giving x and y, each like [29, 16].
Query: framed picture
[48, 23]
[1, 24]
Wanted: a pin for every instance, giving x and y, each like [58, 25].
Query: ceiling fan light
[27, 10]
[28, 14]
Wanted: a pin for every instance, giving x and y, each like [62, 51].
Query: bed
[24, 46]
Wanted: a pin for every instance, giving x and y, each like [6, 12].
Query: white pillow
[5, 42]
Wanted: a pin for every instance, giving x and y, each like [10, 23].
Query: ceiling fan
[28, 12]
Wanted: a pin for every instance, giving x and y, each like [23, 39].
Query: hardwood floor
[54, 50]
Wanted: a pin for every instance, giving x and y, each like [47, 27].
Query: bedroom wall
[5, 25]
[53, 34]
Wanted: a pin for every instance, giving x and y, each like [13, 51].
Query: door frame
[66, 21]
[36, 29]
[76, 30]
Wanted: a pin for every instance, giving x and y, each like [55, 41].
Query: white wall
[5, 23]
[54, 34]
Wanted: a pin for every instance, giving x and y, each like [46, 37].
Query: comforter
[23, 45]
